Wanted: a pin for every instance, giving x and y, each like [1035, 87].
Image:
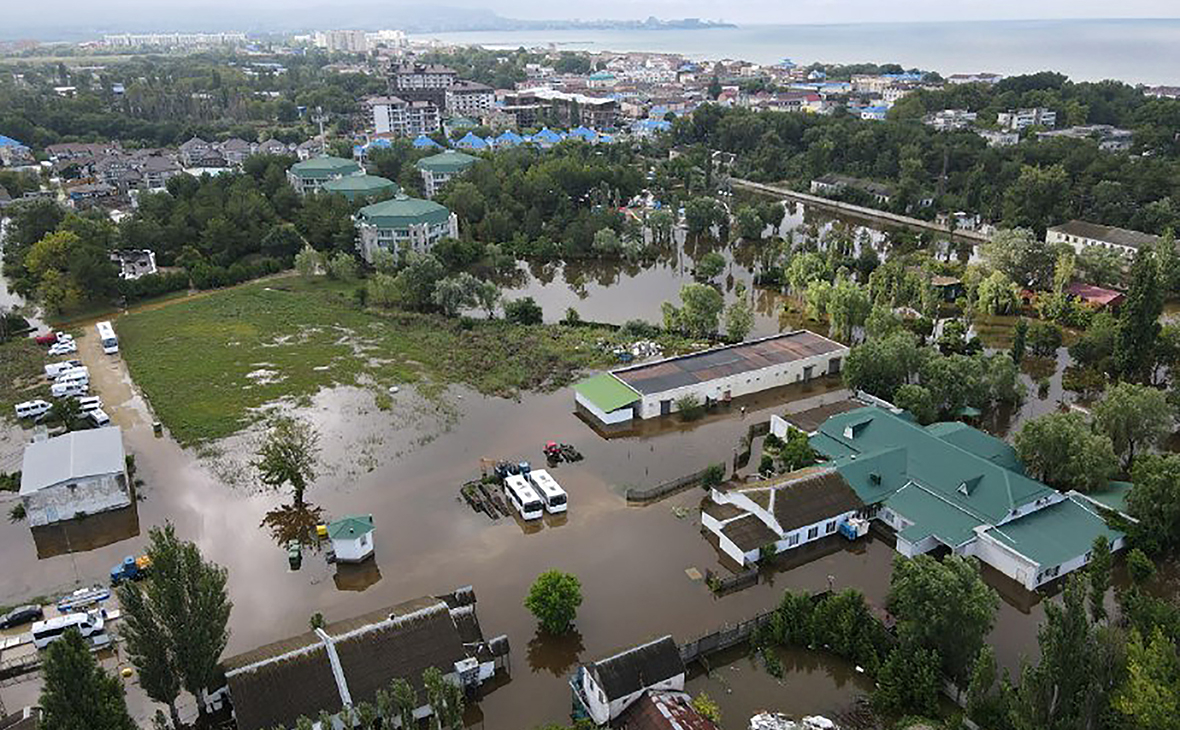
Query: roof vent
[967, 487]
[874, 477]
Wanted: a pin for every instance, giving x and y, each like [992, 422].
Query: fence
[742, 458]
[722, 585]
[654, 492]
[731, 635]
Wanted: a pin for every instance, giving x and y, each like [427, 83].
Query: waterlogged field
[206, 364]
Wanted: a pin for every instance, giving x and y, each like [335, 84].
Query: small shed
[352, 538]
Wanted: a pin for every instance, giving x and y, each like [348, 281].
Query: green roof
[355, 186]
[1055, 534]
[969, 471]
[932, 515]
[449, 161]
[322, 167]
[350, 527]
[1112, 496]
[997, 451]
[606, 392]
[403, 212]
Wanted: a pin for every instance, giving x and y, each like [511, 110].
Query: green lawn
[22, 373]
[206, 363]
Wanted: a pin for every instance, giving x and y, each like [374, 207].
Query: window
[830, 527]
[793, 539]
[813, 533]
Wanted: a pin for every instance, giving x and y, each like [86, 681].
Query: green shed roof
[1112, 496]
[321, 167]
[1054, 534]
[606, 392]
[354, 186]
[350, 526]
[449, 161]
[403, 212]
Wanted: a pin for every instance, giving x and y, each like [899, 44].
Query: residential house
[89, 195]
[273, 147]
[1108, 137]
[352, 538]
[468, 98]
[76, 474]
[403, 224]
[348, 662]
[396, 117]
[309, 176]
[603, 689]
[194, 151]
[998, 138]
[438, 169]
[1094, 296]
[947, 120]
[235, 150]
[1021, 119]
[134, 263]
[157, 171]
[786, 513]
[718, 374]
[1080, 234]
[663, 710]
[949, 486]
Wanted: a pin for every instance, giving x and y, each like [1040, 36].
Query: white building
[1080, 234]
[999, 139]
[393, 116]
[352, 538]
[786, 512]
[470, 99]
[343, 41]
[73, 475]
[715, 375]
[1022, 119]
[403, 224]
[947, 120]
[609, 686]
[438, 169]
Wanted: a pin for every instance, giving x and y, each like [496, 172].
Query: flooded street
[405, 462]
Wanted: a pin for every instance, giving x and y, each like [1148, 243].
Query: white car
[63, 348]
[98, 416]
[64, 337]
[32, 408]
[64, 390]
[53, 369]
[88, 402]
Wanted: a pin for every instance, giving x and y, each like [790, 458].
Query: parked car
[63, 348]
[64, 390]
[88, 402]
[53, 369]
[32, 408]
[21, 615]
[46, 338]
[97, 416]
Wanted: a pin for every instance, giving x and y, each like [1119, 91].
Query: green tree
[1098, 572]
[943, 606]
[987, 699]
[77, 694]
[455, 293]
[739, 316]
[714, 89]
[487, 295]
[417, 279]
[1154, 500]
[707, 707]
[308, 262]
[749, 223]
[1139, 567]
[997, 294]
[1139, 327]
[289, 454]
[342, 266]
[1019, 340]
[918, 401]
[1044, 338]
[1133, 416]
[405, 701]
[908, 682]
[709, 266]
[1062, 451]
[883, 365]
[700, 214]
[848, 307]
[1149, 697]
[523, 311]
[1022, 257]
[554, 599]
[606, 242]
[699, 312]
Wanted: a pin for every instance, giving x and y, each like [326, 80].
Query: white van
[550, 492]
[90, 625]
[107, 338]
[53, 369]
[88, 402]
[64, 390]
[98, 416]
[33, 408]
[73, 374]
[522, 496]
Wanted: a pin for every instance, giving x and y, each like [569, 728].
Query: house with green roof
[361, 187]
[951, 486]
[352, 538]
[403, 224]
[438, 169]
[310, 175]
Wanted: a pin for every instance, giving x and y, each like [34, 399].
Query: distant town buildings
[1022, 119]
[836, 184]
[468, 98]
[422, 82]
[978, 78]
[950, 119]
[173, 40]
[1108, 137]
[342, 41]
[998, 138]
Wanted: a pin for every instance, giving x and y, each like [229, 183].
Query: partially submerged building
[722, 373]
[954, 487]
[347, 662]
[352, 538]
[73, 475]
[604, 689]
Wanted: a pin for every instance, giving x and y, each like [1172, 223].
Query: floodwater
[405, 463]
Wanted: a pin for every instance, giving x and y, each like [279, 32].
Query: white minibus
[523, 497]
[106, 336]
[90, 625]
[549, 491]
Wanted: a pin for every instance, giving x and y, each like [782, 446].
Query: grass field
[22, 373]
[206, 363]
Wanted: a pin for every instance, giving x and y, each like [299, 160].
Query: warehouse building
[715, 375]
[77, 474]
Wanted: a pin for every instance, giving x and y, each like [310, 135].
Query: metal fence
[648, 494]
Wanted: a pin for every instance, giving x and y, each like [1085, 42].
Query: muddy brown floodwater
[405, 465]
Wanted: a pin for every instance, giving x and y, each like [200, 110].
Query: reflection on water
[294, 522]
[556, 654]
[86, 533]
[357, 576]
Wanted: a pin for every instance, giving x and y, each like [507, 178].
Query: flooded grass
[22, 374]
[207, 364]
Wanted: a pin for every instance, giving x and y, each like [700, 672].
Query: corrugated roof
[1056, 534]
[350, 527]
[719, 362]
[402, 212]
[606, 392]
[318, 167]
[74, 455]
[1109, 234]
[449, 161]
[351, 185]
[663, 711]
[749, 533]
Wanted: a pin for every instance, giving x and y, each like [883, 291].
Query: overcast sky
[259, 15]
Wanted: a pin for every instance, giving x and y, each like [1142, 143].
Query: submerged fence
[655, 491]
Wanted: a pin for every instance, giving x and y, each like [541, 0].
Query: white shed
[73, 475]
[352, 538]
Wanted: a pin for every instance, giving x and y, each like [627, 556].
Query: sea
[1135, 51]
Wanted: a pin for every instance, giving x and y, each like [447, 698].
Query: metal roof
[606, 392]
[74, 455]
[317, 167]
[1109, 234]
[449, 161]
[1056, 534]
[349, 527]
[720, 362]
[402, 212]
